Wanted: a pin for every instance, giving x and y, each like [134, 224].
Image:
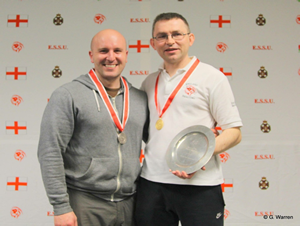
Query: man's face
[172, 51]
[108, 54]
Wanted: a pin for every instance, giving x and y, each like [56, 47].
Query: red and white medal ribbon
[159, 123]
[107, 103]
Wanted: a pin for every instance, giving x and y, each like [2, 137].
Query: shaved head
[107, 33]
[109, 55]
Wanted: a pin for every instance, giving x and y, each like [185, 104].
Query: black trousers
[166, 204]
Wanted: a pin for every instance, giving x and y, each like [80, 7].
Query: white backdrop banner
[256, 44]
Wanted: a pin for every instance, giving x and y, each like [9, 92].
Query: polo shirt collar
[179, 71]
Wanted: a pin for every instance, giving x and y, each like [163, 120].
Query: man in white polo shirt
[182, 93]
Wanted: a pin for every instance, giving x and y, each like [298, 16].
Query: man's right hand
[67, 219]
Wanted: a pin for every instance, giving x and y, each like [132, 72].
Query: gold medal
[159, 124]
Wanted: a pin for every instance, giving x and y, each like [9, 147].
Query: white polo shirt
[204, 99]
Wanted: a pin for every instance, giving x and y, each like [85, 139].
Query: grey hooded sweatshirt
[78, 146]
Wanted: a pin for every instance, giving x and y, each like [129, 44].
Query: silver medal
[122, 138]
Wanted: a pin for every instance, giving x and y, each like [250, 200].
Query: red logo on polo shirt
[19, 155]
[139, 46]
[15, 212]
[190, 89]
[99, 18]
[17, 46]
[16, 100]
[221, 47]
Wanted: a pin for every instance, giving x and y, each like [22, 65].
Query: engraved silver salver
[191, 149]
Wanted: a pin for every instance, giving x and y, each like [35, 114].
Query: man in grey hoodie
[90, 140]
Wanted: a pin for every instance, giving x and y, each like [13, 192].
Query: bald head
[109, 55]
[105, 35]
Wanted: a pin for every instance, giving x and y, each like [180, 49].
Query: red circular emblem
[99, 18]
[17, 46]
[221, 47]
[224, 156]
[190, 90]
[19, 155]
[16, 100]
[15, 212]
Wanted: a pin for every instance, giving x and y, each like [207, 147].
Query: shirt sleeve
[223, 106]
[55, 133]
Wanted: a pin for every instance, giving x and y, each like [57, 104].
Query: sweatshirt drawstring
[98, 105]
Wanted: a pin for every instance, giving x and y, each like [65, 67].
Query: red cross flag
[139, 46]
[227, 71]
[17, 183]
[16, 73]
[14, 20]
[227, 186]
[16, 128]
[220, 21]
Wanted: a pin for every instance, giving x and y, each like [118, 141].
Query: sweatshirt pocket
[100, 176]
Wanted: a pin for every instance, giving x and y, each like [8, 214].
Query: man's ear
[191, 38]
[152, 43]
[91, 56]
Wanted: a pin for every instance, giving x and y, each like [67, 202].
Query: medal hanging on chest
[122, 139]
[160, 123]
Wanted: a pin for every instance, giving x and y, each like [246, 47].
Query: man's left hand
[183, 174]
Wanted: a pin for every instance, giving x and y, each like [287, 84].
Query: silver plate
[191, 149]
